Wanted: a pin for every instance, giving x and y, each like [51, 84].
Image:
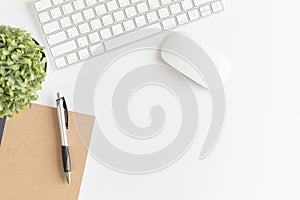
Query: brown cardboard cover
[30, 157]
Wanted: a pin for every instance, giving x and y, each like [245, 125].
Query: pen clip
[66, 112]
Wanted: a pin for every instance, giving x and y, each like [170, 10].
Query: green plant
[22, 70]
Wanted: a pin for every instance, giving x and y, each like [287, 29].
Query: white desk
[257, 157]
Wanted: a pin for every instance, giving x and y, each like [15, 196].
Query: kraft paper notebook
[30, 157]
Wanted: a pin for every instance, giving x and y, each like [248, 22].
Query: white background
[258, 155]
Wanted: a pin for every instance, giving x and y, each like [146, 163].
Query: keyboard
[76, 30]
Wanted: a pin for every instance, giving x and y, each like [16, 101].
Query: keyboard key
[51, 27]
[205, 11]
[72, 58]
[117, 29]
[124, 3]
[132, 36]
[130, 12]
[163, 13]
[65, 22]
[42, 5]
[107, 20]
[100, 10]
[95, 24]
[135, 1]
[152, 16]
[44, 17]
[67, 8]
[84, 28]
[83, 54]
[63, 48]
[88, 14]
[96, 49]
[142, 7]
[204, 8]
[217, 6]
[164, 2]
[112, 5]
[72, 32]
[60, 62]
[198, 2]
[153, 4]
[175, 8]
[82, 41]
[186, 4]
[55, 13]
[94, 37]
[140, 21]
[128, 25]
[169, 23]
[57, 2]
[105, 33]
[56, 38]
[182, 19]
[194, 14]
[91, 2]
[119, 16]
[78, 4]
[77, 18]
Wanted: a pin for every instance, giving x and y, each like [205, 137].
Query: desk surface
[257, 156]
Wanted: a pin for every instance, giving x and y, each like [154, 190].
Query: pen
[62, 112]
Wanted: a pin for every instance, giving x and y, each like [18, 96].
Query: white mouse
[222, 64]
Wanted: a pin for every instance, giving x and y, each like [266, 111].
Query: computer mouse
[222, 64]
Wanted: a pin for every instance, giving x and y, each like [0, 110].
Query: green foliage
[22, 70]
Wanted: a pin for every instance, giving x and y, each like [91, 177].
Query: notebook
[30, 156]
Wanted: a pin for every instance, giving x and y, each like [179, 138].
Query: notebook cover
[30, 157]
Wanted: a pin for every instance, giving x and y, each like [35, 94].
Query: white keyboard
[76, 30]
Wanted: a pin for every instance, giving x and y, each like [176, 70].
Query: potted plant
[22, 71]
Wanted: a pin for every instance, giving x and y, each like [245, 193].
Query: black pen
[62, 112]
